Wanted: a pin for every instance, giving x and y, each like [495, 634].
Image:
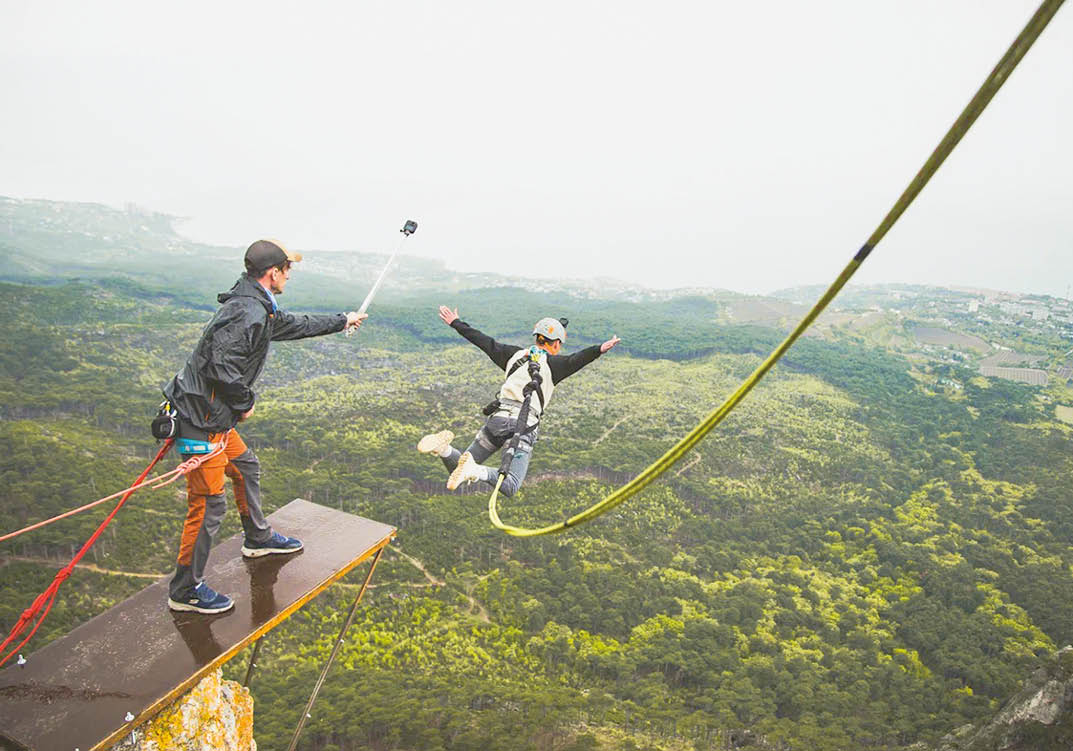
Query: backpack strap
[535, 377]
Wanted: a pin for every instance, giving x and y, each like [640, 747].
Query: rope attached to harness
[154, 483]
[522, 427]
[41, 606]
[968, 116]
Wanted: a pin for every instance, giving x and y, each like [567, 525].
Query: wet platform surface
[137, 657]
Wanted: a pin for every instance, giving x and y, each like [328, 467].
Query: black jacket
[215, 386]
[561, 366]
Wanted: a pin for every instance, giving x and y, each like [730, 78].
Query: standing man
[213, 393]
[503, 413]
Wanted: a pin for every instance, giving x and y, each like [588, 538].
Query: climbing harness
[522, 427]
[194, 447]
[968, 116]
[532, 357]
[408, 229]
[43, 604]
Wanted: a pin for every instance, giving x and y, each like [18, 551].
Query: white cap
[551, 328]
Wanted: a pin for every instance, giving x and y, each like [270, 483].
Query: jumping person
[502, 422]
[212, 394]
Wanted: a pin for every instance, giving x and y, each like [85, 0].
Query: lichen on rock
[215, 715]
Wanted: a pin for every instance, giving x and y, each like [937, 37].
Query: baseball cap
[264, 254]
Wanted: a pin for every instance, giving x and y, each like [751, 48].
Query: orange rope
[43, 604]
[154, 483]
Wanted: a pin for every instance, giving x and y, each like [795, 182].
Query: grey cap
[550, 328]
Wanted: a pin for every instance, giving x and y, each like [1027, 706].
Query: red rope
[43, 604]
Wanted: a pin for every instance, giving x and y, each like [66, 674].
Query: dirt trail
[692, 463]
[5, 559]
[608, 431]
[475, 607]
[419, 566]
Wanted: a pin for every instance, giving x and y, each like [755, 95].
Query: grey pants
[198, 535]
[497, 430]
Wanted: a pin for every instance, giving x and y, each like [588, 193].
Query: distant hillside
[45, 240]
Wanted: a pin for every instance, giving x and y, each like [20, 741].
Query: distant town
[1017, 337]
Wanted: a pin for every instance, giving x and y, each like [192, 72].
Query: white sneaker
[435, 443]
[467, 471]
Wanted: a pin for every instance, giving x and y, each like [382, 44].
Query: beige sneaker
[467, 471]
[435, 443]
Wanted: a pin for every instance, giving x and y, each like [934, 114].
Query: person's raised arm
[498, 353]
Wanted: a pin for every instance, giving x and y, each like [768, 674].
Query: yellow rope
[968, 116]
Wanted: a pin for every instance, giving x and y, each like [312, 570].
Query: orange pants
[208, 480]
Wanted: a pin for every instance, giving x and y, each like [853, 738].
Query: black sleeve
[500, 354]
[290, 326]
[563, 366]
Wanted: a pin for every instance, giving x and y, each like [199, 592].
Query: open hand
[449, 316]
[609, 344]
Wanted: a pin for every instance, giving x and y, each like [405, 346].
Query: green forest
[857, 558]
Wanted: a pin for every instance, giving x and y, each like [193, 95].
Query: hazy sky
[749, 146]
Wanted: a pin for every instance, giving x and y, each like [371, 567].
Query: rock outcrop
[216, 715]
[1039, 717]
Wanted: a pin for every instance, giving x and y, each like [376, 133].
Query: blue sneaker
[204, 600]
[277, 543]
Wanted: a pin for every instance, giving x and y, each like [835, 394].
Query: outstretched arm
[500, 354]
[289, 326]
[564, 366]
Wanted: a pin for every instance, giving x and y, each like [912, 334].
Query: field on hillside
[944, 338]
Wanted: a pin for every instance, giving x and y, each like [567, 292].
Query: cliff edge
[1039, 717]
[216, 715]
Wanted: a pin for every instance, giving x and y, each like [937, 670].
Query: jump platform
[138, 657]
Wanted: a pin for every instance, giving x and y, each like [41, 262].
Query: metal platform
[138, 657]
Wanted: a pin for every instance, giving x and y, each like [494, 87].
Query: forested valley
[859, 557]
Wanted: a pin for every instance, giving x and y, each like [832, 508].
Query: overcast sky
[747, 146]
